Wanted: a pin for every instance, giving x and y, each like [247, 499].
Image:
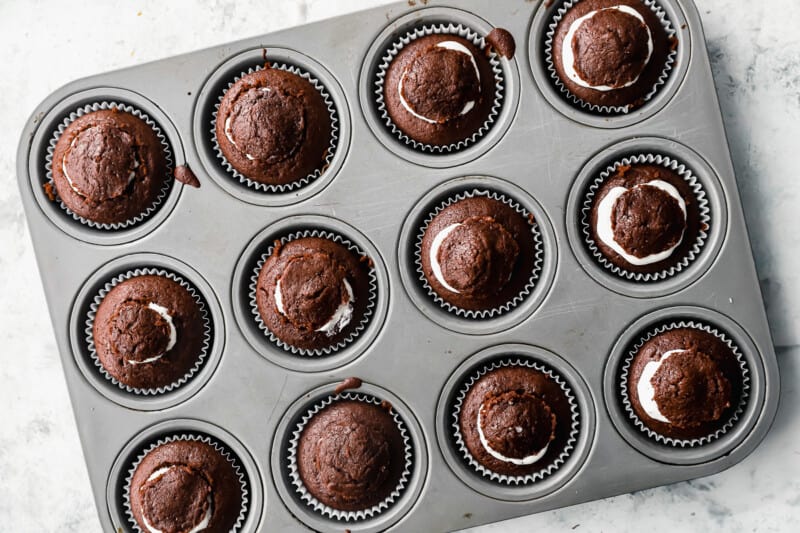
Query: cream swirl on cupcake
[71, 182]
[646, 391]
[515, 427]
[338, 320]
[228, 133]
[436, 266]
[173, 334]
[568, 48]
[200, 526]
[468, 106]
[605, 225]
[527, 460]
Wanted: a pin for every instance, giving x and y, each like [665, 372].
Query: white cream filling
[450, 45]
[228, 126]
[173, 335]
[527, 460]
[568, 54]
[199, 527]
[647, 392]
[606, 233]
[436, 267]
[72, 184]
[340, 318]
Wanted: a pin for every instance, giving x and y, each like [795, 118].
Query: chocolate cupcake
[610, 55]
[479, 253]
[350, 456]
[274, 127]
[646, 218]
[438, 89]
[685, 384]
[515, 421]
[109, 165]
[184, 485]
[314, 292]
[148, 332]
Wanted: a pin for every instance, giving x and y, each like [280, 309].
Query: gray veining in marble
[755, 52]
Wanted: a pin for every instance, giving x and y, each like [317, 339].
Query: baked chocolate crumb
[502, 42]
[349, 383]
[48, 190]
[385, 404]
[185, 175]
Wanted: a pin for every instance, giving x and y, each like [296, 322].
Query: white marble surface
[755, 51]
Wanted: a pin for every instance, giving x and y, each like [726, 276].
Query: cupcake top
[439, 89]
[478, 253]
[109, 166]
[351, 455]
[185, 486]
[274, 127]
[611, 52]
[684, 383]
[515, 420]
[312, 292]
[148, 332]
[645, 218]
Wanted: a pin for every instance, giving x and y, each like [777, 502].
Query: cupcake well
[126, 487]
[700, 197]
[314, 503]
[516, 300]
[593, 108]
[95, 304]
[546, 470]
[670, 441]
[438, 29]
[328, 350]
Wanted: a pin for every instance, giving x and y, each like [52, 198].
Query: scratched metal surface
[542, 152]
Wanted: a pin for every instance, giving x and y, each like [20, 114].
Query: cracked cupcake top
[273, 126]
[109, 166]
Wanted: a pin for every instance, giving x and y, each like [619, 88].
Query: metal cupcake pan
[540, 152]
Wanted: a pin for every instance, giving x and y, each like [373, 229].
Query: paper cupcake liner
[702, 204]
[301, 182]
[607, 110]
[98, 106]
[314, 503]
[327, 350]
[89, 329]
[669, 441]
[526, 290]
[546, 471]
[423, 31]
[229, 456]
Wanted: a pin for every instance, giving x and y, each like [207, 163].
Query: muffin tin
[580, 319]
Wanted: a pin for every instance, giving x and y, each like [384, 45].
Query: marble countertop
[755, 52]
